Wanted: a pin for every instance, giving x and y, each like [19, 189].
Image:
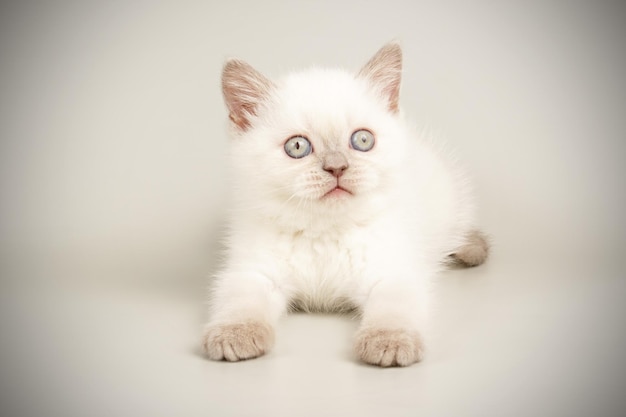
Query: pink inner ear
[244, 88]
[384, 71]
[241, 123]
[240, 113]
[392, 92]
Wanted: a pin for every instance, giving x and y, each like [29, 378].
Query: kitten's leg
[244, 311]
[392, 316]
[474, 251]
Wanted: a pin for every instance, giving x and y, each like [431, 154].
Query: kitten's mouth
[337, 192]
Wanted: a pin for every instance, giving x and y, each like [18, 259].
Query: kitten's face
[322, 138]
[318, 140]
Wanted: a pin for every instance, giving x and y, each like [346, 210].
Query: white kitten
[336, 204]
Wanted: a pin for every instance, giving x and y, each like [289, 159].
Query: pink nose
[335, 163]
[336, 171]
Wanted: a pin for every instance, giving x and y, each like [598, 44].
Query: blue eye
[362, 140]
[298, 147]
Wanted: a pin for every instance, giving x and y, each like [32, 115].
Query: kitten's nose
[335, 163]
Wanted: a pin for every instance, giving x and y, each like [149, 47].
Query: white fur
[376, 250]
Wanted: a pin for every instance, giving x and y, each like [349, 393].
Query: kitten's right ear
[384, 72]
[244, 89]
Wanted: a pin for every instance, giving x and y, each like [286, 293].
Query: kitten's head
[320, 142]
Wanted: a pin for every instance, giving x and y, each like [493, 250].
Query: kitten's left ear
[244, 90]
[384, 72]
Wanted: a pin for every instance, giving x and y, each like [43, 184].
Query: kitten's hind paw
[237, 341]
[385, 347]
[475, 250]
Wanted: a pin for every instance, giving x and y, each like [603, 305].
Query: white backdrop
[112, 125]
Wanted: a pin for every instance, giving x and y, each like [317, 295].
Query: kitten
[337, 204]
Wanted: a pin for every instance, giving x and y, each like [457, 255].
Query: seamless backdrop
[112, 185]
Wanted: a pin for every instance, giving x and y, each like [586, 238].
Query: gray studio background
[112, 179]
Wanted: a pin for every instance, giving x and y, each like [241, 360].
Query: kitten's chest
[324, 271]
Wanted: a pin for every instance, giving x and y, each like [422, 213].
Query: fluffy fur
[297, 241]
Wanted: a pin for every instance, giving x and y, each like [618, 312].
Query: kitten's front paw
[385, 347]
[238, 341]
